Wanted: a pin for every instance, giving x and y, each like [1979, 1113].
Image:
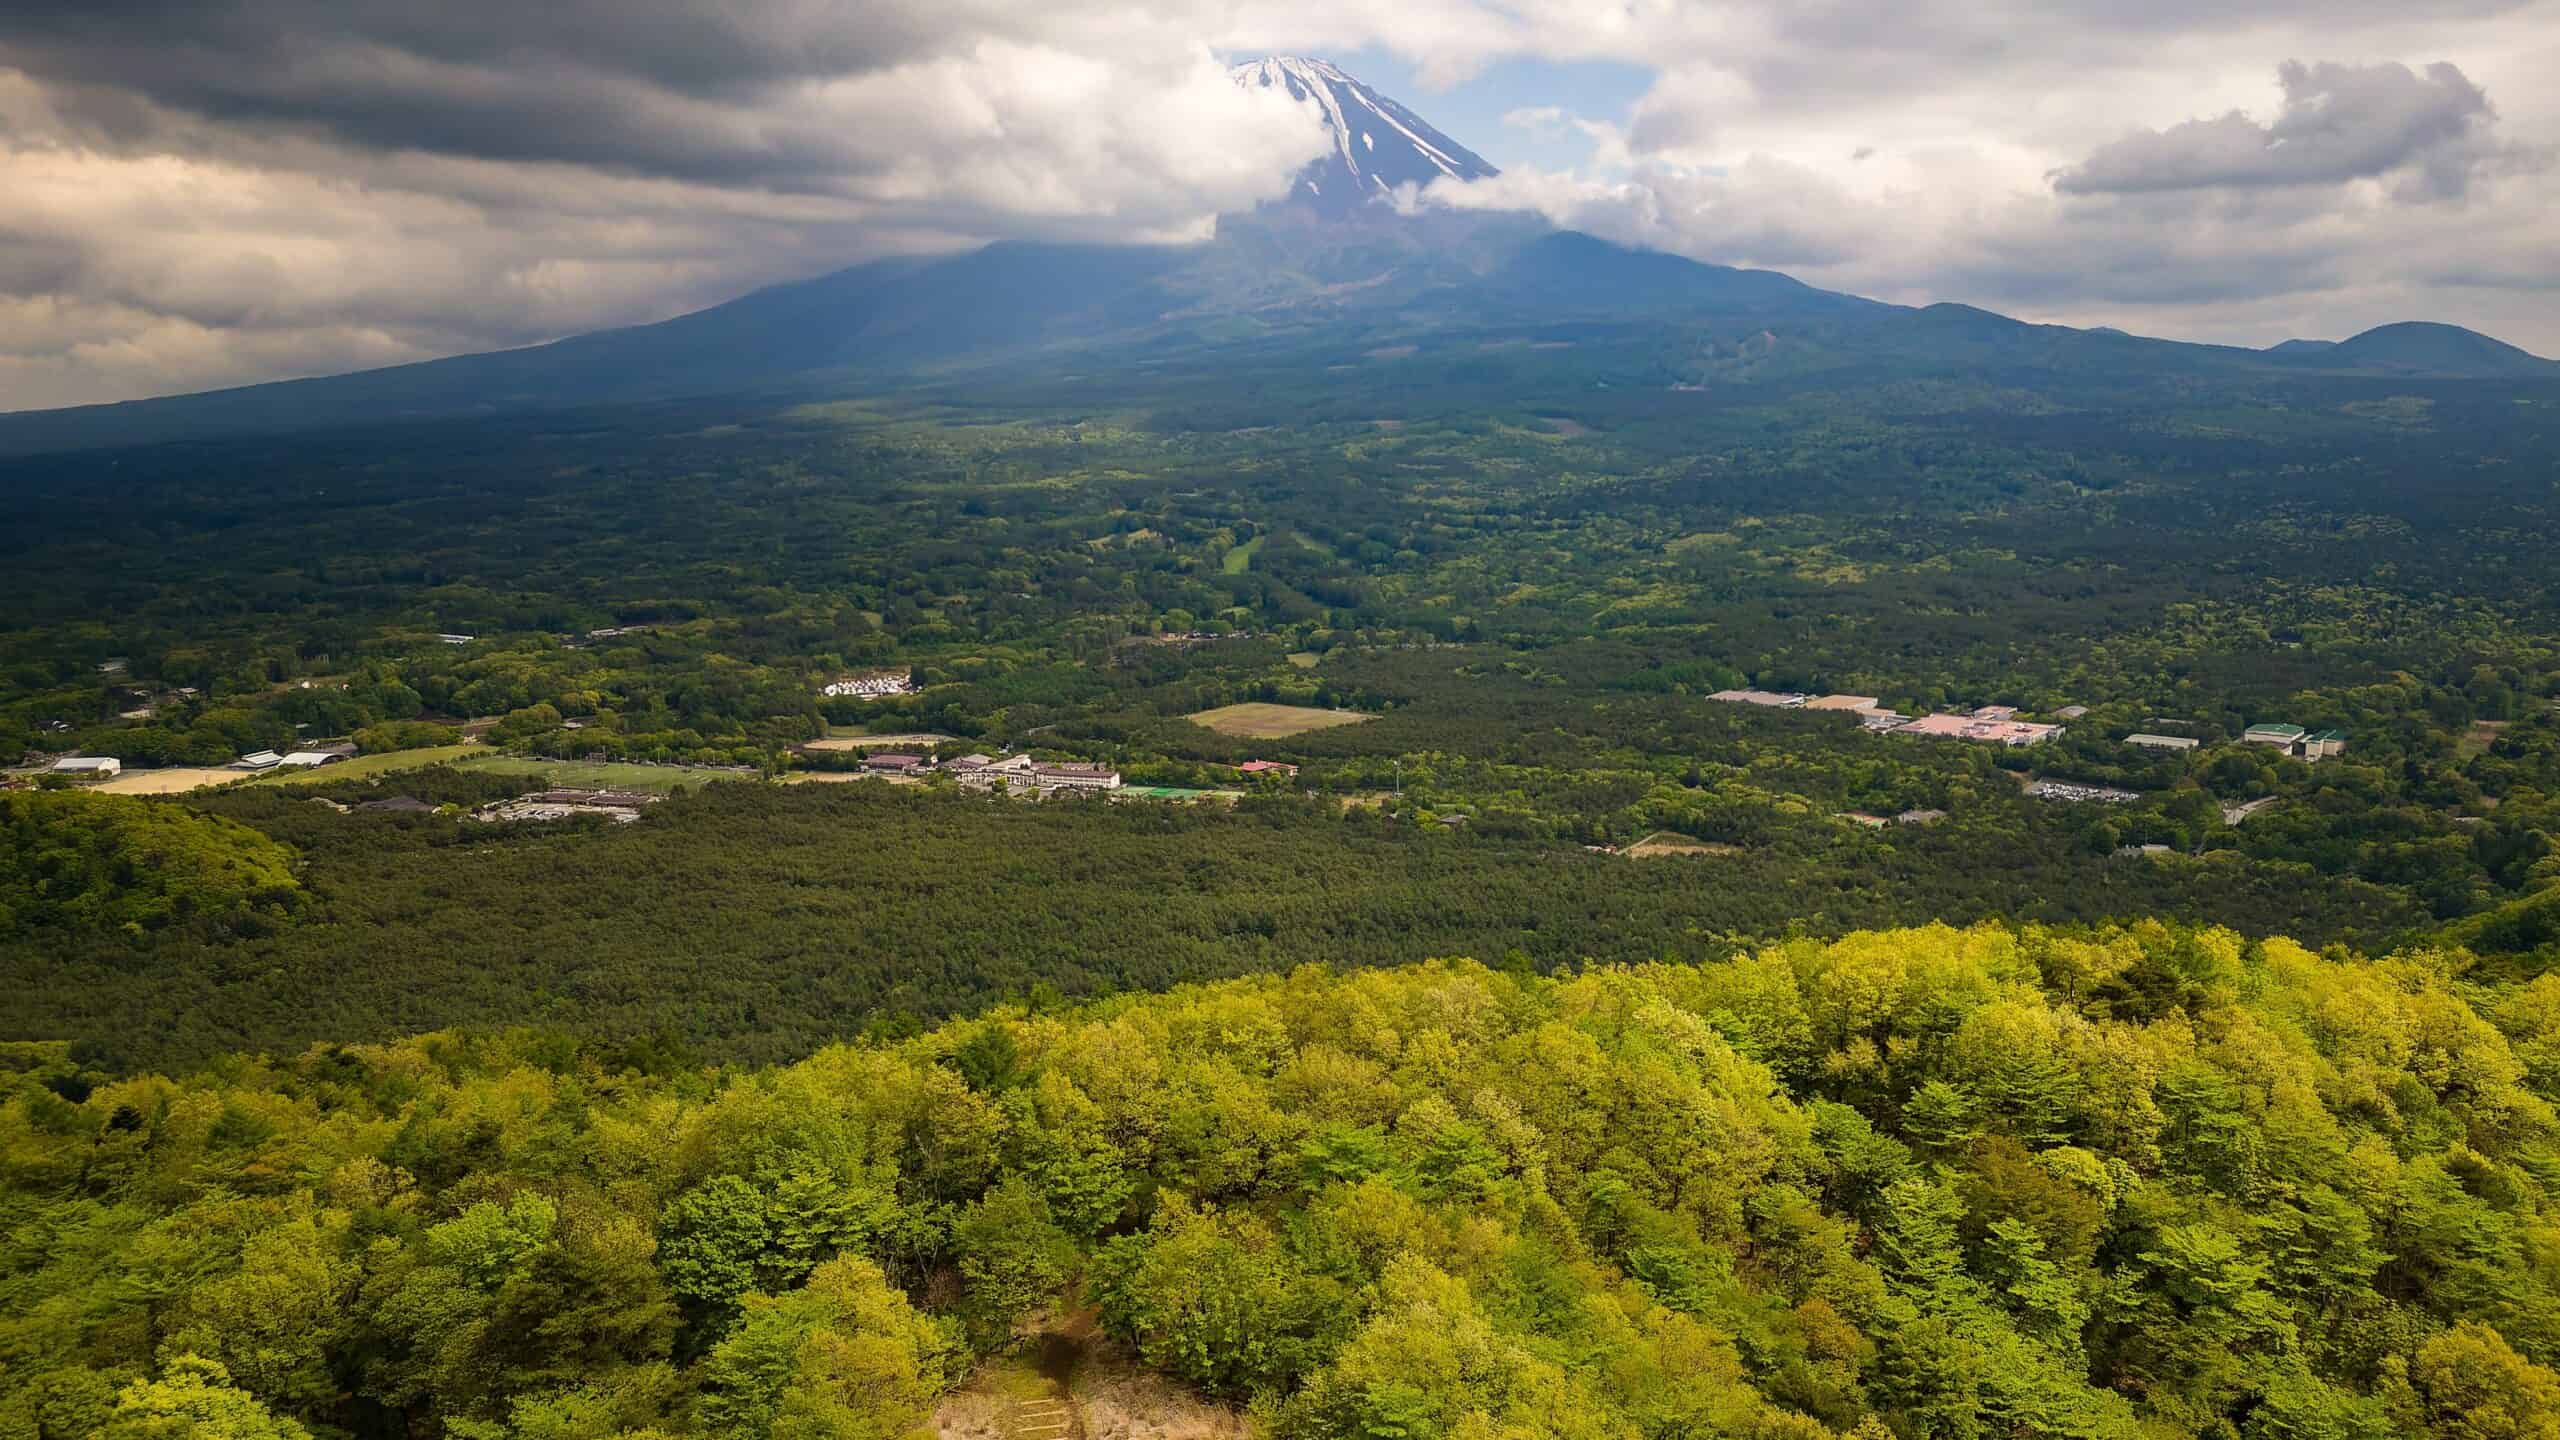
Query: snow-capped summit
[1377, 143]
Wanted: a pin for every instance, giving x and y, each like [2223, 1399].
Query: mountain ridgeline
[1346, 267]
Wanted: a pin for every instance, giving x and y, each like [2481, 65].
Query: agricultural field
[1257, 720]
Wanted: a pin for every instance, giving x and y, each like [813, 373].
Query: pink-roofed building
[1967, 727]
[1266, 767]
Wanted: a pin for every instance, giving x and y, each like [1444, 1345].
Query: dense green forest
[2144, 1182]
[1532, 596]
[761, 922]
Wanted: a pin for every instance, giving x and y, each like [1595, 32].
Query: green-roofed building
[2287, 736]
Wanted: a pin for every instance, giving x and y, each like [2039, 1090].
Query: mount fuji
[1378, 144]
[1333, 277]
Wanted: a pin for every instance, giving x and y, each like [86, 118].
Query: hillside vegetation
[108, 863]
[1928, 1182]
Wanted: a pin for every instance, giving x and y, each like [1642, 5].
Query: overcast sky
[205, 192]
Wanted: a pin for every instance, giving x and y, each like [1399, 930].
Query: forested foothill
[1995, 1181]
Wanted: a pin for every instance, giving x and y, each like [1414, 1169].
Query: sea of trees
[762, 922]
[1989, 1182]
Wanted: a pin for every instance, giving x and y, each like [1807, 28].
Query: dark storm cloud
[2338, 123]
[649, 86]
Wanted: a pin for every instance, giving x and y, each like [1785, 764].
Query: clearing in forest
[598, 774]
[1255, 720]
[1665, 842]
[2477, 740]
[171, 781]
[1070, 1386]
[850, 741]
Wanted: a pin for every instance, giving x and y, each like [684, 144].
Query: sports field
[1256, 720]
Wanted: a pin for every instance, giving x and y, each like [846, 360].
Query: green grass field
[598, 775]
[363, 765]
[578, 773]
[1257, 720]
[1240, 559]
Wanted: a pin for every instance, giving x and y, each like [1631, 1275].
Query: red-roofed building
[1266, 767]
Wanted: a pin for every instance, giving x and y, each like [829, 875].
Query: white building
[1063, 776]
[89, 767]
[2162, 742]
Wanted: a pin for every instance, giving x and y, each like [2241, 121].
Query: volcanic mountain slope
[1378, 145]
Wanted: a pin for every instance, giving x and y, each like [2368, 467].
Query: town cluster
[620, 806]
[1991, 724]
[1999, 725]
[982, 772]
[1022, 775]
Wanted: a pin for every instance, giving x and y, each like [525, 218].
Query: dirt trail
[1054, 1415]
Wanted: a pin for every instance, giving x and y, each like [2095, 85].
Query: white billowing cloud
[2370, 193]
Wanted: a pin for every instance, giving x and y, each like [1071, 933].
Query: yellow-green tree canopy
[117, 861]
[2145, 1181]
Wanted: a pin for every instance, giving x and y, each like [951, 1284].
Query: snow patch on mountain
[1362, 167]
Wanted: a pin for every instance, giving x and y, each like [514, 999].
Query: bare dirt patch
[1663, 842]
[1130, 1404]
[174, 780]
[1256, 720]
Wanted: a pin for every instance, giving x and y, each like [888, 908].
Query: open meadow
[363, 765]
[1257, 720]
[595, 775]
